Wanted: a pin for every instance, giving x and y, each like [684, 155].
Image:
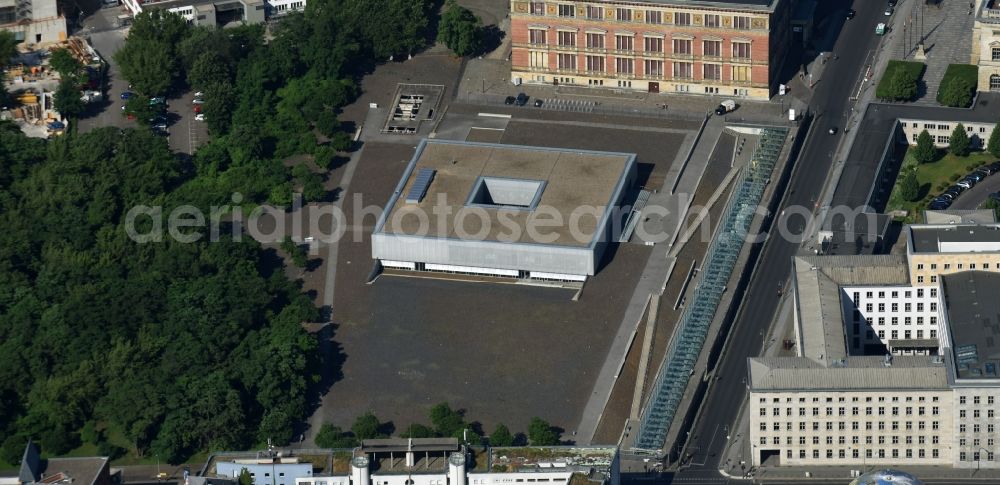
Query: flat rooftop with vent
[972, 319]
[504, 211]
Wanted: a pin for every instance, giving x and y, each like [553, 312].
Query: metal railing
[689, 338]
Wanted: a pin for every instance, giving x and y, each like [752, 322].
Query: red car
[197, 108]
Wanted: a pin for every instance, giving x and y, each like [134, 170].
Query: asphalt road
[830, 103]
[975, 196]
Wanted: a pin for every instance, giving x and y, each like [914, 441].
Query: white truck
[725, 107]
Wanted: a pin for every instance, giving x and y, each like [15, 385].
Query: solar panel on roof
[420, 185]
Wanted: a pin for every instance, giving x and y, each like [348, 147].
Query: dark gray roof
[926, 239]
[854, 233]
[974, 322]
[860, 167]
[31, 464]
[78, 471]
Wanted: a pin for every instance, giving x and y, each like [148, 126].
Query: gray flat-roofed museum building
[504, 210]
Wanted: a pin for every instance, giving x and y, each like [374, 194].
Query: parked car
[522, 99]
[833, 130]
[937, 205]
[197, 101]
[509, 100]
[160, 126]
[199, 117]
[851, 13]
[199, 94]
[995, 166]
[989, 169]
[968, 184]
[889, 10]
[538, 103]
[197, 108]
[946, 196]
[126, 95]
[977, 176]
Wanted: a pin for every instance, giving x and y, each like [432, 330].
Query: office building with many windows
[725, 47]
[887, 371]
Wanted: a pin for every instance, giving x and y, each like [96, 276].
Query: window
[624, 42]
[652, 44]
[567, 11]
[566, 61]
[654, 17]
[538, 59]
[595, 41]
[741, 73]
[712, 21]
[712, 71]
[623, 14]
[595, 63]
[741, 23]
[682, 18]
[625, 66]
[995, 53]
[595, 13]
[537, 8]
[741, 50]
[683, 70]
[567, 38]
[655, 68]
[536, 36]
[682, 47]
[712, 48]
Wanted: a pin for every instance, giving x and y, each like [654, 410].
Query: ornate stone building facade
[729, 48]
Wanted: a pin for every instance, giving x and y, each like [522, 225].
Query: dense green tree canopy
[460, 30]
[67, 98]
[959, 142]
[541, 433]
[993, 146]
[8, 47]
[925, 151]
[64, 63]
[957, 93]
[909, 186]
[177, 347]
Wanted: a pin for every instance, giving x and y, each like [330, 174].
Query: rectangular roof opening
[506, 193]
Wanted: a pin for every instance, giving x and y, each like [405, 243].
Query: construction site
[31, 84]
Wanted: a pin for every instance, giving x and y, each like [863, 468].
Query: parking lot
[185, 134]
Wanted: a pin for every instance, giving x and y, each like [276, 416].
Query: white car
[199, 94]
[199, 117]
[197, 101]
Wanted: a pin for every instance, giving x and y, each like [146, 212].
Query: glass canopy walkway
[689, 337]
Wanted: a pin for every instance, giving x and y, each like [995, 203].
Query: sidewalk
[491, 76]
[736, 460]
[865, 97]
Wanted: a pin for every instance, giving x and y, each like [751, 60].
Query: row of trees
[959, 144]
[445, 422]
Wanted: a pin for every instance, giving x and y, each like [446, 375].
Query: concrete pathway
[946, 30]
[657, 270]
